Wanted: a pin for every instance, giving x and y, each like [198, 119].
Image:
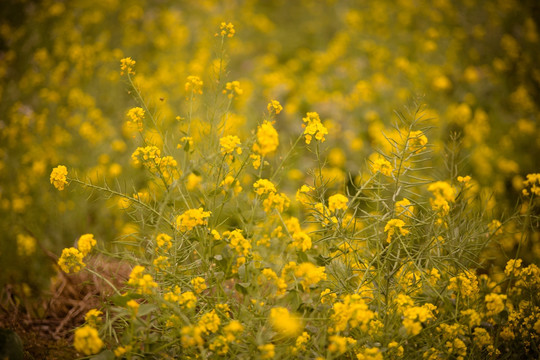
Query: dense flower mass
[267, 139]
[135, 116]
[230, 144]
[87, 340]
[233, 89]
[58, 177]
[71, 260]
[126, 66]
[194, 85]
[144, 283]
[191, 218]
[85, 243]
[226, 230]
[284, 322]
[313, 128]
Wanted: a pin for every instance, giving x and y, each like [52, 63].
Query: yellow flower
[58, 177]
[26, 245]
[87, 340]
[238, 242]
[256, 160]
[199, 285]
[232, 328]
[301, 240]
[314, 127]
[338, 344]
[134, 306]
[370, 354]
[233, 89]
[229, 144]
[187, 300]
[121, 350]
[337, 202]
[193, 182]
[148, 156]
[274, 107]
[443, 194]
[380, 164]
[280, 202]
[394, 226]
[93, 317]
[191, 218]
[310, 274]
[126, 65]
[230, 183]
[264, 186]
[267, 351]
[414, 316]
[164, 241]
[209, 322]
[352, 312]
[495, 227]
[404, 208]
[71, 260]
[136, 116]
[494, 304]
[267, 139]
[144, 283]
[465, 284]
[533, 181]
[226, 29]
[85, 243]
[284, 322]
[194, 84]
[417, 141]
[513, 267]
[186, 142]
[161, 263]
[191, 336]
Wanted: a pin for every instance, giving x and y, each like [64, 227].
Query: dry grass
[46, 323]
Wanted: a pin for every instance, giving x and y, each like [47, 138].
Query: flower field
[270, 179]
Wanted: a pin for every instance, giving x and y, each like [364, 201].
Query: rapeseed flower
[314, 128]
[394, 226]
[230, 144]
[71, 260]
[226, 29]
[267, 139]
[233, 89]
[93, 318]
[199, 284]
[284, 322]
[191, 218]
[337, 202]
[87, 340]
[58, 177]
[135, 116]
[144, 283]
[85, 243]
[417, 141]
[194, 85]
[26, 245]
[274, 107]
[163, 241]
[267, 351]
[126, 66]
[380, 164]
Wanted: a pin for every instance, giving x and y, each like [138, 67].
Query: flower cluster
[58, 177]
[313, 127]
[194, 85]
[191, 218]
